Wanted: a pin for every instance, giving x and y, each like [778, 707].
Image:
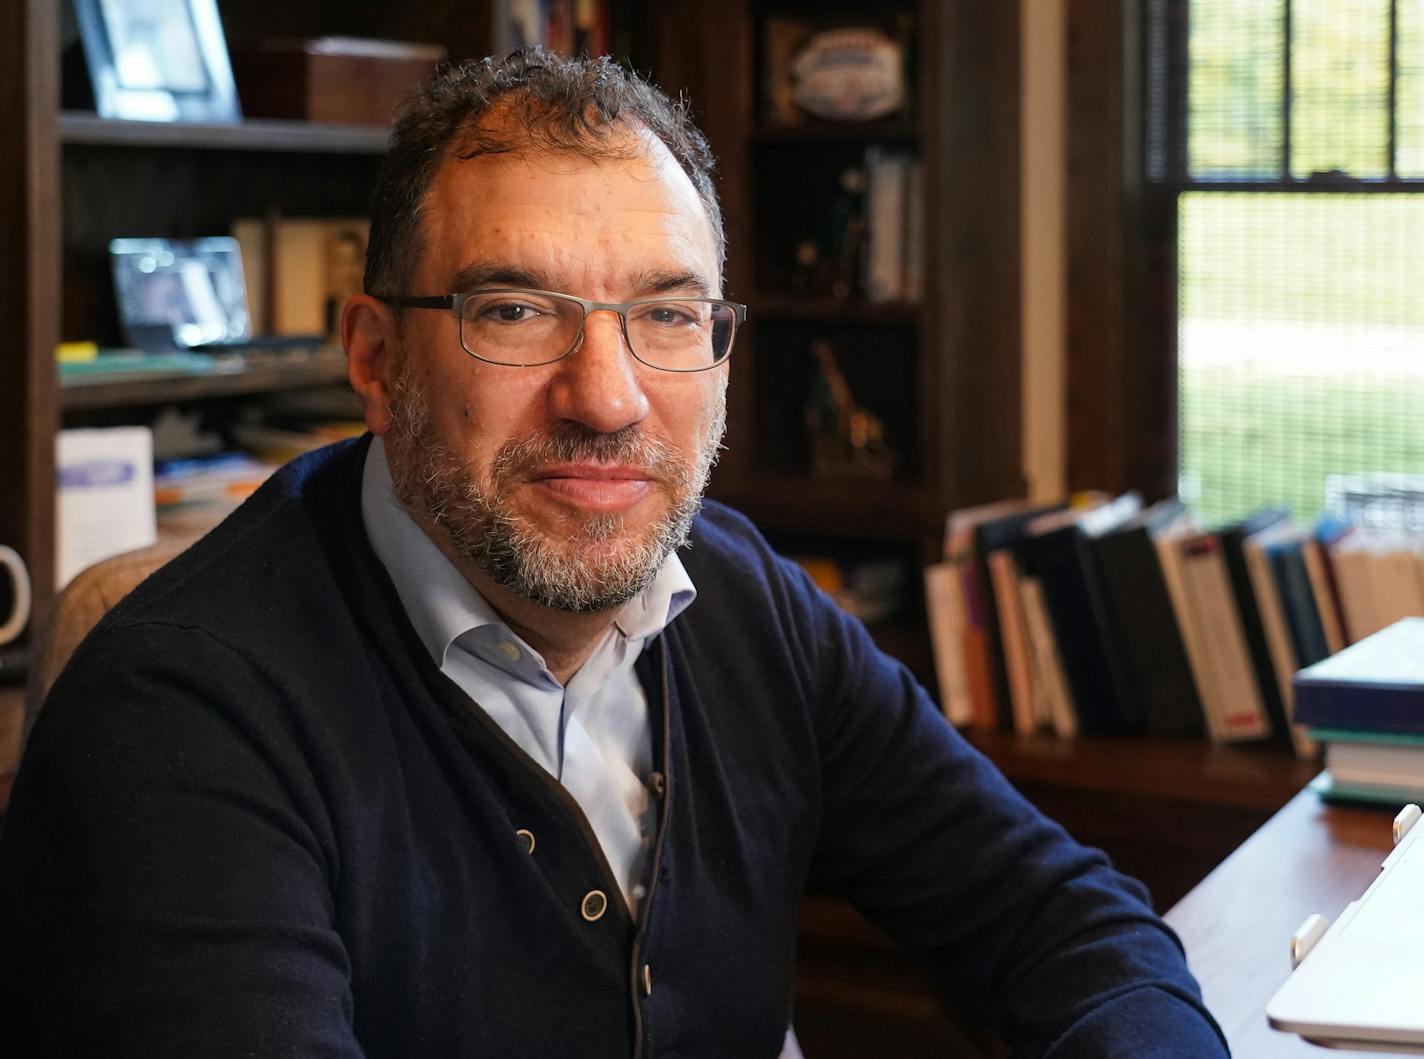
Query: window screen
[1297, 130]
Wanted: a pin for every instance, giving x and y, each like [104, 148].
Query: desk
[1237, 922]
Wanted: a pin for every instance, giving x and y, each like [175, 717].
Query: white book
[1239, 712]
[1199, 657]
[885, 213]
[1350, 558]
[944, 604]
[1394, 579]
[105, 504]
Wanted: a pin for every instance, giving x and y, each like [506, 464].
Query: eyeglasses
[526, 328]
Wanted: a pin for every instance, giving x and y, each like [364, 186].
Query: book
[1350, 562]
[1395, 578]
[1288, 557]
[1377, 683]
[1004, 575]
[1331, 789]
[1055, 550]
[959, 551]
[944, 606]
[1233, 539]
[1268, 589]
[887, 177]
[989, 535]
[1396, 762]
[1322, 583]
[1050, 679]
[1135, 589]
[1231, 699]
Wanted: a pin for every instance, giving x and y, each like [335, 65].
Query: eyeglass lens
[526, 328]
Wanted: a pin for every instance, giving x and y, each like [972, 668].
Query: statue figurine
[847, 441]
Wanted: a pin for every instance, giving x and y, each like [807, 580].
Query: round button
[510, 650]
[659, 783]
[595, 903]
[526, 839]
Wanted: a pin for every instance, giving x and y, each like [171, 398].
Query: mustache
[571, 442]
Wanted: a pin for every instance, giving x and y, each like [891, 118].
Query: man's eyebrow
[662, 281]
[652, 282]
[499, 275]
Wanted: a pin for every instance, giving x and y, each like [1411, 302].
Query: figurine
[847, 441]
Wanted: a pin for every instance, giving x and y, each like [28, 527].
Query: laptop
[1361, 984]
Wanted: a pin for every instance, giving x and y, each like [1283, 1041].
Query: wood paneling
[971, 154]
[29, 285]
[1121, 388]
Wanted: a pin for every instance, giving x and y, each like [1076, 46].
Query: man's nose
[598, 384]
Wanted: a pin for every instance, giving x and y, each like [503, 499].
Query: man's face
[570, 482]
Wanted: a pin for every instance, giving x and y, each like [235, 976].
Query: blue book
[1377, 683]
[1298, 600]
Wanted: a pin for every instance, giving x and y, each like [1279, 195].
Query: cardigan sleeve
[1041, 935]
[164, 884]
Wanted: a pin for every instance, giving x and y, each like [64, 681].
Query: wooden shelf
[1192, 771]
[268, 375]
[790, 307]
[894, 129]
[254, 134]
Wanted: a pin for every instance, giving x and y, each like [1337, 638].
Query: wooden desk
[1236, 924]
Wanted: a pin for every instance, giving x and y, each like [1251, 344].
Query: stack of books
[1102, 615]
[1365, 705]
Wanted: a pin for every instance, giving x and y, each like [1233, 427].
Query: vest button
[595, 903]
[647, 979]
[526, 839]
[659, 783]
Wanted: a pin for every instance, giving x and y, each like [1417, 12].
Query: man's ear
[368, 332]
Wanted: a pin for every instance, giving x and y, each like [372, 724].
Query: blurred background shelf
[253, 134]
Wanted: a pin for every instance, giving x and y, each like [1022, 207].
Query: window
[1285, 138]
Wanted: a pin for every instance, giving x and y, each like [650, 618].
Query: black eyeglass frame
[456, 303]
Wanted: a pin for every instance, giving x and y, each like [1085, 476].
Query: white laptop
[1359, 983]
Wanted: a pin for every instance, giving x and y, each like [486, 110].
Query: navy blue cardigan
[255, 820]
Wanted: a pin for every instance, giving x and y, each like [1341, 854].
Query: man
[430, 751]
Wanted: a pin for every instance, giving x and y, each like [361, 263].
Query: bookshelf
[940, 372]
[73, 181]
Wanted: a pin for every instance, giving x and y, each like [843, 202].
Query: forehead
[568, 216]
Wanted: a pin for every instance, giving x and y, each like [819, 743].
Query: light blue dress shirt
[592, 734]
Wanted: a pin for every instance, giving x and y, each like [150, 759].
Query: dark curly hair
[547, 102]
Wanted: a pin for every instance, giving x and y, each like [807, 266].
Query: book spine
[1048, 660]
[1204, 574]
[1003, 570]
[1323, 589]
[944, 604]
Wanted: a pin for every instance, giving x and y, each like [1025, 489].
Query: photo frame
[158, 60]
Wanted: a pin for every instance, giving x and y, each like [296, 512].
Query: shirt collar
[442, 605]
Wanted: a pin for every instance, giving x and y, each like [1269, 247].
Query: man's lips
[596, 487]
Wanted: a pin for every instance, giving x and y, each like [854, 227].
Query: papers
[105, 502]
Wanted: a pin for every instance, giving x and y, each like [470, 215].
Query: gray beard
[584, 565]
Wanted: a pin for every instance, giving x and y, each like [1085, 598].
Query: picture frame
[158, 60]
